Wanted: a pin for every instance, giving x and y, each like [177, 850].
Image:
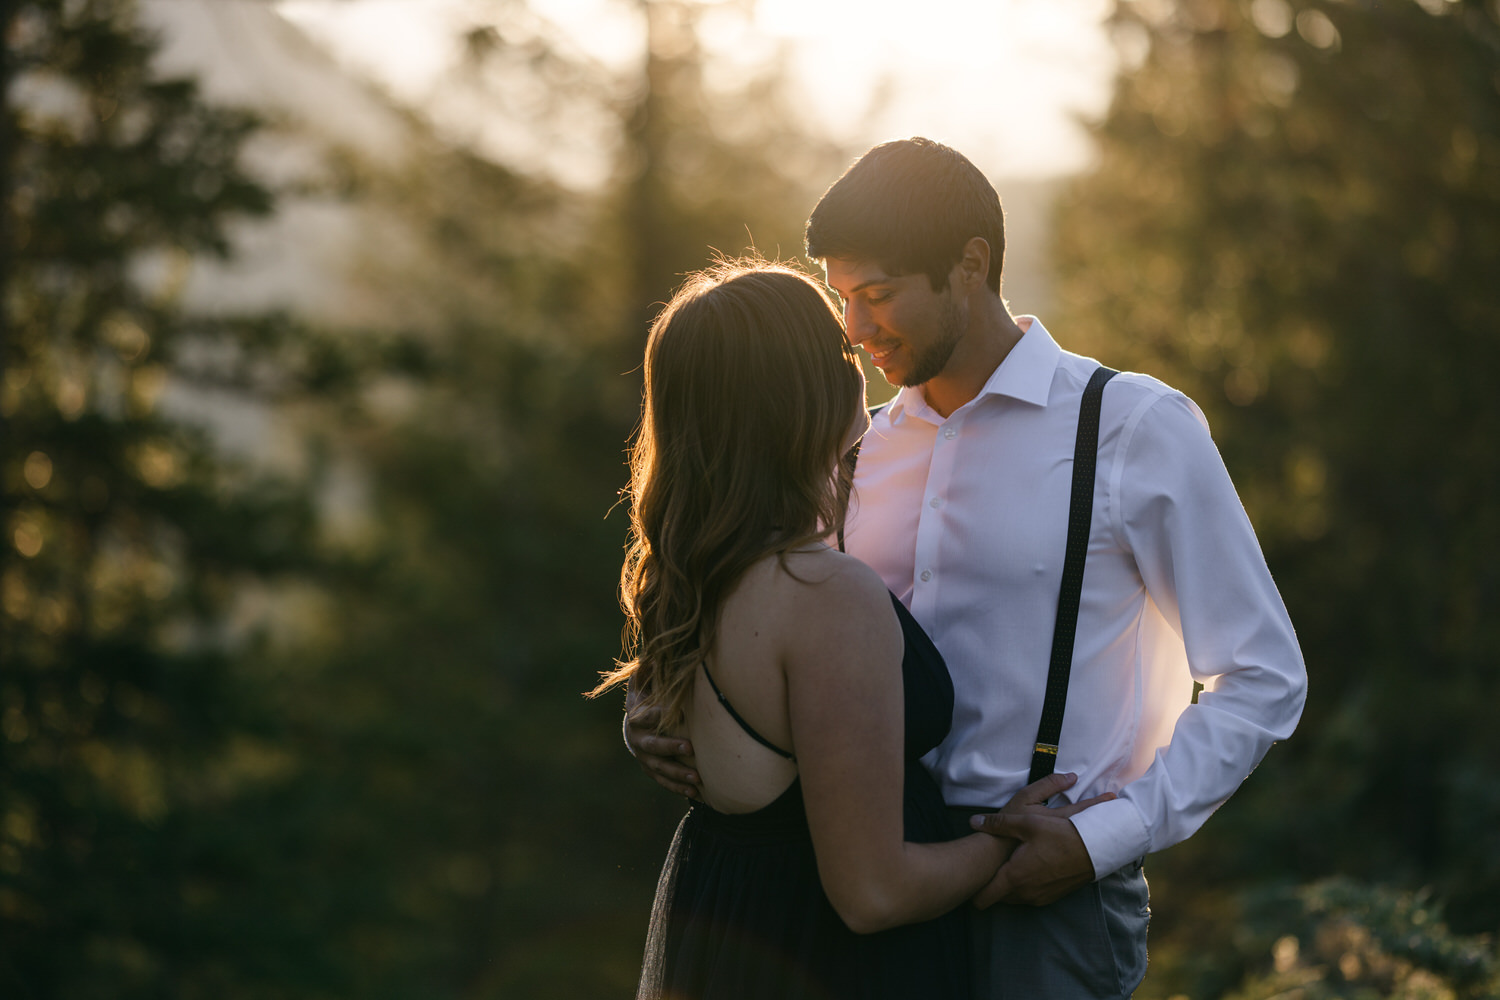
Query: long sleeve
[1177, 512]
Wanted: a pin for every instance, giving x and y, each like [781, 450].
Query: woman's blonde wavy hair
[750, 393]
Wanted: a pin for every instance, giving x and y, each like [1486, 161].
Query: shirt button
[949, 433]
[935, 502]
[926, 575]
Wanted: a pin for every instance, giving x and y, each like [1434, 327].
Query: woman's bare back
[757, 622]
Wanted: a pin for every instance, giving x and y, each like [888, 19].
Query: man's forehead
[849, 275]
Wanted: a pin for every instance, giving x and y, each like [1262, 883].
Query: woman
[818, 863]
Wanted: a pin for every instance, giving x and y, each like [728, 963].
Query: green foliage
[135, 747]
[487, 601]
[389, 785]
[1294, 220]
[1337, 939]
[487, 604]
[483, 606]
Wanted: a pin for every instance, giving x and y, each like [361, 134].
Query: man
[961, 503]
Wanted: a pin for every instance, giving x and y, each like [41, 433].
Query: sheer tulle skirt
[741, 915]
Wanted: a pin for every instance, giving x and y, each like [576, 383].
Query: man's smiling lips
[880, 355]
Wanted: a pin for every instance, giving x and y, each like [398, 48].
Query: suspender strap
[1080, 519]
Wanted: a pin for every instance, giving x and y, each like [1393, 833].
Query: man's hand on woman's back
[667, 759]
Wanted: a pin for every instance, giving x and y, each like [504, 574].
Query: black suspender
[1080, 519]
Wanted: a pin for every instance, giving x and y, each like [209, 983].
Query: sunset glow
[1003, 80]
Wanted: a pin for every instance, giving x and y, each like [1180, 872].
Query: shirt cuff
[1114, 833]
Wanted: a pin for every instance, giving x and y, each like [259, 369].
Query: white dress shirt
[966, 520]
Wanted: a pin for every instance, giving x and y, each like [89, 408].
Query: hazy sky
[1001, 80]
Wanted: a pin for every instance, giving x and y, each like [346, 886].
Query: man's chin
[892, 375]
[893, 372]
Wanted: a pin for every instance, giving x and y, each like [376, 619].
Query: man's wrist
[1114, 834]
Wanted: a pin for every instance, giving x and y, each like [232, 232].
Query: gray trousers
[1089, 945]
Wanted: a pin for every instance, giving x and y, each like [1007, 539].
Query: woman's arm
[844, 690]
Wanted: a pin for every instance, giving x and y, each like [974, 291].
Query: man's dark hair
[909, 205]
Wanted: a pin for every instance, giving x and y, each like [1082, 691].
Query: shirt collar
[1025, 374]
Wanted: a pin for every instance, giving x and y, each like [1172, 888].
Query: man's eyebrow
[866, 284]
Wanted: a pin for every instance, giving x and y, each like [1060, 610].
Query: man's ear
[973, 267]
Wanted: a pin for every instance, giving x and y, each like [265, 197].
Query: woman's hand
[1050, 859]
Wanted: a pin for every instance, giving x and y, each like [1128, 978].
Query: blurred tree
[134, 747]
[705, 171]
[442, 705]
[1337, 938]
[511, 831]
[711, 151]
[1295, 218]
[397, 790]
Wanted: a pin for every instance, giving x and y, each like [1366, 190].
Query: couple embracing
[940, 656]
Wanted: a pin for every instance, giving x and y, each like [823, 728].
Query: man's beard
[934, 358]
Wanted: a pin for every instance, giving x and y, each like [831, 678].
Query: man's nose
[857, 325]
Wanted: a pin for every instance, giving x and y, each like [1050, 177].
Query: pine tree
[134, 747]
[415, 801]
[517, 832]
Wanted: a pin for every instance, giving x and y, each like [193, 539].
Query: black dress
[741, 915]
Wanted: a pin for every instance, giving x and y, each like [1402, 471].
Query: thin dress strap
[749, 730]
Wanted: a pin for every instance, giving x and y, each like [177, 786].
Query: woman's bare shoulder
[811, 586]
[825, 574]
[832, 597]
[812, 589]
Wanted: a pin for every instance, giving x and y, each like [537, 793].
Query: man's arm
[1178, 513]
[1175, 509]
[667, 759]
